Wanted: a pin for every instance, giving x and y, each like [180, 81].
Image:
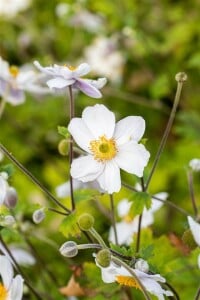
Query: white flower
[14, 81]
[65, 76]
[3, 189]
[8, 194]
[87, 20]
[115, 273]
[110, 147]
[11, 8]
[127, 227]
[195, 164]
[195, 229]
[21, 256]
[11, 288]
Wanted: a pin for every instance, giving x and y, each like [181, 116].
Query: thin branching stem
[113, 218]
[139, 222]
[191, 190]
[2, 107]
[197, 297]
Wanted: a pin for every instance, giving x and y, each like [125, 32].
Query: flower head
[11, 288]
[8, 194]
[110, 147]
[116, 273]
[63, 76]
[195, 228]
[195, 164]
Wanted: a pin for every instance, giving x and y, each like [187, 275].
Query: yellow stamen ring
[103, 149]
[127, 281]
[3, 292]
[14, 71]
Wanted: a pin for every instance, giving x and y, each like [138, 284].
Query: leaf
[69, 226]
[147, 252]
[140, 200]
[9, 169]
[63, 131]
[121, 250]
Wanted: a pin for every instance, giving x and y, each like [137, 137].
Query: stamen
[3, 292]
[103, 149]
[128, 219]
[72, 68]
[127, 280]
[14, 71]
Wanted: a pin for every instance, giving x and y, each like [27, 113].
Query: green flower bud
[188, 239]
[103, 258]
[69, 249]
[85, 222]
[63, 147]
[181, 77]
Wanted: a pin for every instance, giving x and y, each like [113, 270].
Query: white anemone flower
[110, 147]
[128, 226]
[195, 229]
[195, 164]
[11, 288]
[3, 189]
[8, 194]
[65, 76]
[116, 273]
[14, 81]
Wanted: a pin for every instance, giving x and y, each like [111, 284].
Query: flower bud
[69, 249]
[142, 265]
[86, 222]
[63, 147]
[8, 221]
[39, 215]
[11, 197]
[188, 239]
[181, 77]
[103, 258]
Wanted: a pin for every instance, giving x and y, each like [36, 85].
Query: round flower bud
[39, 215]
[8, 221]
[11, 197]
[142, 265]
[63, 147]
[188, 239]
[86, 222]
[181, 77]
[69, 249]
[103, 258]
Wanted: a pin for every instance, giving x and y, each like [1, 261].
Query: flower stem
[139, 222]
[180, 77]
[123, 264]
[191, 189]
[113, 218]
[2, 107]
[71, 152]
[57, 211]
[97, 237]
[32, 177]
[197, 297]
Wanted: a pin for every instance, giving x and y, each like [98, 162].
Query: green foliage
[69, 226]
[63, 131]
[139, 200]
[9, 169]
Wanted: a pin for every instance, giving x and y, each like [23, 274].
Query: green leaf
[9, 169]
[139, 201]
[147, 252]
[121, 250]
[69, 226]
[63, 131]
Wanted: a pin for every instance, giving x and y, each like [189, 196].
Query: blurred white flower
[116, 273]
[65, 76]
[11, 288]
[195, 164]
[128, 226]
[14, 81]
[22, 257]
[195, 229]
[8, 194]
[105, 59]
[10, 8]
[62, 9]
[110, 147]
[39, 215]
[87, 20]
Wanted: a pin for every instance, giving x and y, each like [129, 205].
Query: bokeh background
[139, 46]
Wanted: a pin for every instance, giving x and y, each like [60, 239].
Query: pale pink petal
[87, 88]
[110, 180]
[6, 271]
[99, 120]
[132, 158]
[129, 128]
[81, 134]
[59, 83]
[86, 168]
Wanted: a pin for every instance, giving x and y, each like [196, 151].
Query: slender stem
[32, 177]
[191, 189]
[181, 77]
[71, 152]
[173, 290]
[97, 237]
[139, 222]
[113, 218]
[131, 271]
[197, 297]
[57, 211]
[19, 270]
[2, 107]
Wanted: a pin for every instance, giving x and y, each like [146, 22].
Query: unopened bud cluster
[69, 249]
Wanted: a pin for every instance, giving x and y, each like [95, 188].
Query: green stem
[191, 189]
[97, 237]
[197, 297]
[113, 218]
[181, 77]
[2, 107]
[32, 177]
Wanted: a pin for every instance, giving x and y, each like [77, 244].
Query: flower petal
[80, 133]
[82, 70]
[123, 208]
[98, 84]
[195, 228]
[87, 88]
[16, 289]
[156, 204]
[124, 233]
[3, 188]
[59, 83]
[6, 271]
[132, 158]
[46, 70]
[110, 180]
[99, 120]
[86, 168]
[129, 128]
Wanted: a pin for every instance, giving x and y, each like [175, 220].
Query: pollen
[103, 149]
[72, 68]
[127, 281]
[3, 292]
[14, 71]
[128, 219]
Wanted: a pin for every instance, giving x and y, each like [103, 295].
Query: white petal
[99, 120]
[22, 256]
[124, 233]
[63, 190]
[59, 83]
[123, 207]
[198, 261]
[147, 220]
[16, 289]
[129, 128]
[86, 168]
[156, 204]
[81, 134]
[3, 188]
[98, 84]
[109, 179]
[6, 271]
[46, 70]
[195, 228]
[82, 70]
[132, 158]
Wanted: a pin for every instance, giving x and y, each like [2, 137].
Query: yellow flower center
[3, 292]
[103, 149]
[128, 219]
[14, 71]
[127, 280]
